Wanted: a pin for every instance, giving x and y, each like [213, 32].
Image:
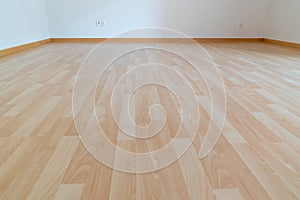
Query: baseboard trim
[229, 39]
[78, 39]
[9, 51]
[118, 39]
[157, 39]
[282, 43]
[13, 50]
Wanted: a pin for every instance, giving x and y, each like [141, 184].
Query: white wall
[27, 21]
[22, 22]
[284, 20]
[196, 18]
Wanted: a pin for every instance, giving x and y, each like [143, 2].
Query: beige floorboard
[257, 157]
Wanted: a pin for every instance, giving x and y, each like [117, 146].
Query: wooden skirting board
[17, 49]
[23, 47]
[157, 39]
[282, 43]
[229, 39]
[78, 39]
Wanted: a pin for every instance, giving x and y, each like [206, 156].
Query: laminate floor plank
[256, 157]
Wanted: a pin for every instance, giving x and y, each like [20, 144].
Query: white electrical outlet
[100, 23]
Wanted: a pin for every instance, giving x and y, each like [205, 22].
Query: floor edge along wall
[13, 50]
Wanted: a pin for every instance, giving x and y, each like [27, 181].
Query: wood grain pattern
[9, 51]
[257, 156]
[157, 39]
[283, 43]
